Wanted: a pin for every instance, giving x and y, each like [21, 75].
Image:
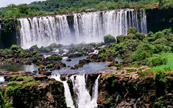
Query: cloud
[4, 3]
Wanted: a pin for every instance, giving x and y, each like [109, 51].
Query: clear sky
[4, 3]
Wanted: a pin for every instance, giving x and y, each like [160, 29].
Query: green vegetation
[3, 102]
[163, 62]
[55, 57]
[49, 65]
[109, 39]
[154, 50]
[18, 51]
[15, 88]
[24, 90]
[66, 6]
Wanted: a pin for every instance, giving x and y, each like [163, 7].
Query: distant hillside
[65, 6]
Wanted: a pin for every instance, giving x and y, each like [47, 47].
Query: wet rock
[128, 90]
[73, 68]
[50, 97]
[46, 94]
[90, 81]
[29, 73]
[10, 77]
[46, 73]
[68, 60]
[63, 77]
[40, 77]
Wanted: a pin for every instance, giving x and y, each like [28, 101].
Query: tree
[23, 9]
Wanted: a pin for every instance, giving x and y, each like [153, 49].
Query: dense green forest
[66, 6]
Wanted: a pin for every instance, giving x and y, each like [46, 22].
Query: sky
[4, 3]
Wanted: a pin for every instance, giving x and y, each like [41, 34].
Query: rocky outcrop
[132, 91]
[26, 92]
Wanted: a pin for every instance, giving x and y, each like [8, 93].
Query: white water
[87, 27]
[2, 79]
[95, 92]
[143, 22]
[84, 100]
[67, 93]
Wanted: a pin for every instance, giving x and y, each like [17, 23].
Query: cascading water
[2, 79]
[87, 27]
[67, 93]
[143, 22]
[44, 30]
[95, 93]
[84, 100]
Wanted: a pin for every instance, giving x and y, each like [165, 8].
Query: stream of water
[83, 99]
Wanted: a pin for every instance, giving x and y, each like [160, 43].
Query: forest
[66, 6]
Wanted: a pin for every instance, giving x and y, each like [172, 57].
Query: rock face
[116, 90]
[128, 91]
[157, 21]
[46, 94]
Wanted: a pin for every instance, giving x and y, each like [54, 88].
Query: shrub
[3, 102]
[109, 39]
[161, 48]
[16, 48]
[140, 55]
[150, 34]
[140, 36]
[157, 61]
[34, 47]
[49, 65]
[36, 53]
[143, 51]
[131, 36]
[160, 82]
[73, 49]
[132, 30]
[120, 38]
[160, 40]
[167, 32]
[159, 35]
[158, 104]
[55, 57]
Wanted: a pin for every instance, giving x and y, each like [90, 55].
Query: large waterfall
[85, 27]
[83, 99]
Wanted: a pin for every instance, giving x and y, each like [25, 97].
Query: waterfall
[143, 22]
[2, 79]
[87, 27]
[68, 97]
[95, 92]
[84, 100]
[44, 31]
